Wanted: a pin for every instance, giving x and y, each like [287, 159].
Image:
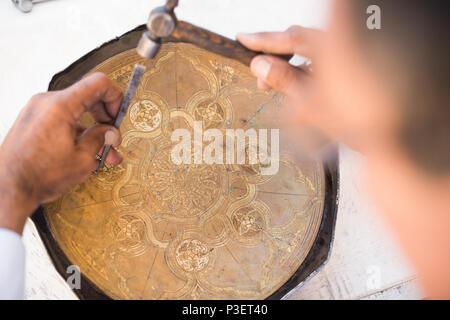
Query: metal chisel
[129, 94]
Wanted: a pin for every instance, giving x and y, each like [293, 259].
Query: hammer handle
[186, 32]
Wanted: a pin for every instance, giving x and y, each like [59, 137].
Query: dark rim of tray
[318, 253]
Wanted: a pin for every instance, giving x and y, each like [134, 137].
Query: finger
[90, 165]
[97, 94]
[262, 85]
[296, 39]
[279, 75]
[100, 114]
[95, 138]
[113, 157]
[79, 128]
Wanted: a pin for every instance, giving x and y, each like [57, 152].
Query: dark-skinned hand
[47, 150]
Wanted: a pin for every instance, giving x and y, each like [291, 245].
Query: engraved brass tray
[150, 229]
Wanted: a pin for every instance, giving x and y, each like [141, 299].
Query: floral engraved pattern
[122, 76]
[247, 222]
[111, 173]
[129, 232]
[224, 73]
[182, 190]
[211, 113]
[192, 255]
[145, 115]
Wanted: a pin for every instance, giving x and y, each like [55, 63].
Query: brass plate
[149, 229]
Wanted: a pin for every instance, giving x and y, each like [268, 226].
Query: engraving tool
[136, 77]
[161, 23]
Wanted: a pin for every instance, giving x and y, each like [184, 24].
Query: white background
[365, 262]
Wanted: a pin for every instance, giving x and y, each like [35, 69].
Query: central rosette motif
[182, 190]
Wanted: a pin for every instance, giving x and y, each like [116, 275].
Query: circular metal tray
[149, 229]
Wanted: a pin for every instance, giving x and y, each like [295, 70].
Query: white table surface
[365, 262]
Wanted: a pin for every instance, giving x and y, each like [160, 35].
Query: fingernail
[261, 67]
[112, 138]
[246, 38]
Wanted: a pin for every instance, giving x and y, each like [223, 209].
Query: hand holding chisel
[129, 94]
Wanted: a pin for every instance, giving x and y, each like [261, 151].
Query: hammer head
[161, 23]
[147, 47]
[23, 5]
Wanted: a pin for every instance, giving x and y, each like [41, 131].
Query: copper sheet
[149, 229]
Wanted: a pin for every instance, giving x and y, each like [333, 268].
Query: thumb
[279, 75]
[94, 138]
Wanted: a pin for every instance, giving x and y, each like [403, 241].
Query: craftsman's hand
[276, 73]
[303, 110]
[47, 150]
